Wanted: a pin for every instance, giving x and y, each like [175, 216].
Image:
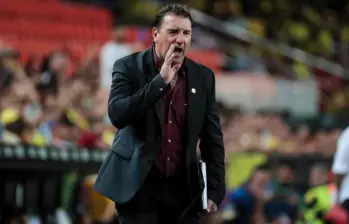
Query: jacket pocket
[123, 151]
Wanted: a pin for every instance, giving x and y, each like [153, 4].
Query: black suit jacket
[135, 109]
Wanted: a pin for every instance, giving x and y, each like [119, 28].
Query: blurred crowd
[318, 27]
[299, 19]
[271, 133]
[43, 103]
[61, 100]
[272, 196]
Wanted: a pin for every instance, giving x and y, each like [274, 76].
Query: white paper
[204, 193]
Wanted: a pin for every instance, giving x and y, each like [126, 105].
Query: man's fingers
[211, 206]
[214, 208]
[169, 52]
[176, 67]
[170, 59]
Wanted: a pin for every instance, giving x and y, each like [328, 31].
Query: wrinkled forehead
[175, 22]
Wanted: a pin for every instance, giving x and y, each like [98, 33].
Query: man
[284, 198]
[340, 168]
[163, 103]
[248, 200]
[318, 199]
[112, 50]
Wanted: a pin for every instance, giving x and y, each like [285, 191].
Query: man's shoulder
[127, 64]
[206, 74]
[128, 59]
[199, 67]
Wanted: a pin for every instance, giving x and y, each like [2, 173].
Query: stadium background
[281, 80]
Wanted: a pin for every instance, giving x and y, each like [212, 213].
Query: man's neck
[158, 59]
[156, 51]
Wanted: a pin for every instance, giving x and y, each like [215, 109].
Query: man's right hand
[168, 71]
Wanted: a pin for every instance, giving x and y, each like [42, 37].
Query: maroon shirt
[169, 159]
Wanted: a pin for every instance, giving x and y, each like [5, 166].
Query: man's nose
[180, 39]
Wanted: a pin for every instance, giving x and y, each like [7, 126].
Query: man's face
[285, 175]
[317, 177]
[262, 177]
[59, 62]
[173, 30]
[119, 35]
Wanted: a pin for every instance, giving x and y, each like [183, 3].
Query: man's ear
[154, 34]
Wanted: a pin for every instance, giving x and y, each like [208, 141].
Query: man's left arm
[212, 147]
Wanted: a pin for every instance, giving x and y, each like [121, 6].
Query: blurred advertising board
[256, 92]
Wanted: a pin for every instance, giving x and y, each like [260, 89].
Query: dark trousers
[160, 200]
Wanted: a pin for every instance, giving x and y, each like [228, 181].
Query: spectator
[248, 200]
[53, 70]
[111, 51]
[320, 198]
[285, 200]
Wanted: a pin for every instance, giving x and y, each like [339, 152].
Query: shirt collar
[158, 62]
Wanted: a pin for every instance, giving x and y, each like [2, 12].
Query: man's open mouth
[178, 50]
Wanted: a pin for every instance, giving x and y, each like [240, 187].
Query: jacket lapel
[193, 92]
[150, 72]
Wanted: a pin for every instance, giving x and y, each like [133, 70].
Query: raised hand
[168, 70]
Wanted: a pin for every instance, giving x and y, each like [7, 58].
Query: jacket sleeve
[127, 105]
[212, 147]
